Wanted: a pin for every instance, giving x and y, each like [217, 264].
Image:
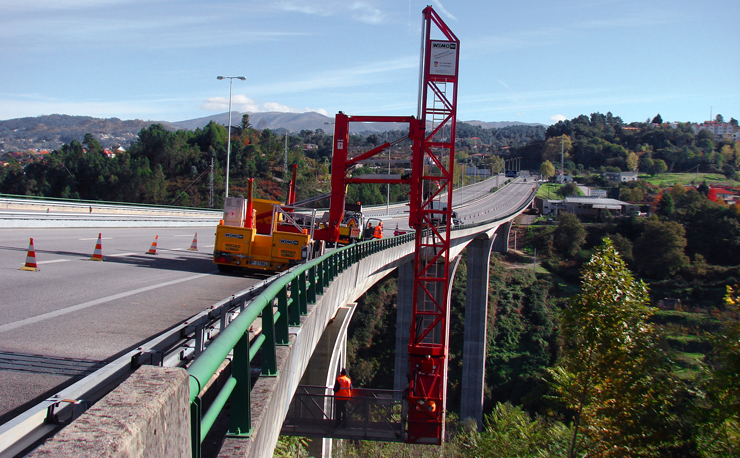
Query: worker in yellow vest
[342, 394]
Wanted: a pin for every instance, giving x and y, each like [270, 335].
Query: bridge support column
[476, 318]
[403, 324]
[329, 357]
[501, 238]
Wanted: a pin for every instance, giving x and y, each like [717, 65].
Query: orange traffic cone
[98, 253]
[153, 249]
[30, 259]
[194, 245]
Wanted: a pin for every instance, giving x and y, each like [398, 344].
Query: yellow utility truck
[263, 235]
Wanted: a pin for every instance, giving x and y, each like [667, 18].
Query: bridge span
[302, 305]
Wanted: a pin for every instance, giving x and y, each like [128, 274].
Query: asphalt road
[75, 308]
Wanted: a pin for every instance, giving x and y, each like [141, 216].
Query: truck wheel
[225, 269]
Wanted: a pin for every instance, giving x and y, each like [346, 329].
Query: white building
[718, 129]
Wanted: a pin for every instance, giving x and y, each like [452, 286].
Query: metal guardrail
[86, 203]
[176, 347]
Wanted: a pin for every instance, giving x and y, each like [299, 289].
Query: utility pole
[388, 187]
[285, 158]
[210, 194]
[562, 160]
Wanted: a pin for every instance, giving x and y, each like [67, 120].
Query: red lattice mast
[431, 202]
[432, 133]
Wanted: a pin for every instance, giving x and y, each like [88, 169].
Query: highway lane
[77, 308]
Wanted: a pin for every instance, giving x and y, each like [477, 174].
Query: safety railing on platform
[280, 306]
[370, 415]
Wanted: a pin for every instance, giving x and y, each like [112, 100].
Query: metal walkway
[371, 415]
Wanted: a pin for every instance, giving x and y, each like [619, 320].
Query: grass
[669, 179]
[688, 365]
[550, 191]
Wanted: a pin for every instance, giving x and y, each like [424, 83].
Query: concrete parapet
[146, 416]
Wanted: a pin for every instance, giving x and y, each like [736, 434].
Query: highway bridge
[82, 315]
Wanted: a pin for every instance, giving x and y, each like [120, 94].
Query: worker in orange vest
[379, 231]
[342, 394]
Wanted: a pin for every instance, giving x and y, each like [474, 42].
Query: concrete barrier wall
[146, 416]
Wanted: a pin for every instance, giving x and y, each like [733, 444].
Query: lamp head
[243, 78]
[219, 77]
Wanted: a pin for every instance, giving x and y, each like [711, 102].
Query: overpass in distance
[486, 222]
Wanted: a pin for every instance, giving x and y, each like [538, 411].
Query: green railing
[280, 305]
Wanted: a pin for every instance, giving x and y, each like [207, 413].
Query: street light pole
[228, 134]
[388, 187]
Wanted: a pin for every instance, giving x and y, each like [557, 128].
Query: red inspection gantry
[432, 133]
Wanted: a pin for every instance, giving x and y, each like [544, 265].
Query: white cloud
[243, 103]
[239, 102]
[366, 13]
[358, 10]
[557, 118]
[443, 10]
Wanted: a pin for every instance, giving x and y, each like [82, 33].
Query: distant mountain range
[52, 131]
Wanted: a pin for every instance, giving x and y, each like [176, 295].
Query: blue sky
[530, 61]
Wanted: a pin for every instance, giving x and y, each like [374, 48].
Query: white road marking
[95, 238]
[84, 305]
[52, 261]
[118, 255]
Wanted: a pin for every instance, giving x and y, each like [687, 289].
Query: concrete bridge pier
[501, 238]
[476, 320]
[403, 319]
[403, 324]
[329, 357]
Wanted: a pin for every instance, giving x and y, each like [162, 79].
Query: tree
[659, 166]
[659, 251]
[569, 189]
[719, 118]
[611, 373]
[553, 147]
[720, 435]
[547, 169]
[91, 144]
[657, 119]
[647, 164]
[495, 163]
[632, 161]
[569, 234]
[733, 122]
[703, 188]
[666, 205]
[245, 121]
